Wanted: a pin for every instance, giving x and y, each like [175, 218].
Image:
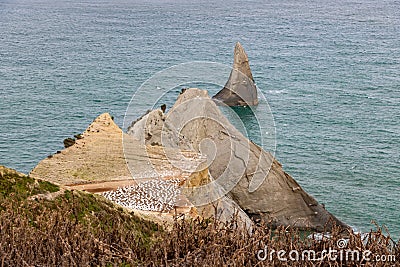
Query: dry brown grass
[202, 243]
[79, 229]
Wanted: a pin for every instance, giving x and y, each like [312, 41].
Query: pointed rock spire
[240, 89]
[241, 61]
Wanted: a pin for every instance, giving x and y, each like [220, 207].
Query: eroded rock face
[148, 129]
[240, 89]
[252, 177]
[99, 156]
[104, 159]
[90, 158]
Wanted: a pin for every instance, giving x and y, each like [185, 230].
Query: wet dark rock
[69, 142]
[78, 136]
[163, 108]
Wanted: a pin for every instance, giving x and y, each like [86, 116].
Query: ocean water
[329, 69]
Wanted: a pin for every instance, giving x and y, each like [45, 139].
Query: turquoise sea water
[330, 71]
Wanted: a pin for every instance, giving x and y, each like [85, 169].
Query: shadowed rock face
[240, 89]
[250, 176]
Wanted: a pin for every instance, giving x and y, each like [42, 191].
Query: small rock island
[240, 89]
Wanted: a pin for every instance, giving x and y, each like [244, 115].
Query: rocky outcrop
[150, 123]
[104, 158]
[240, 89]
[97, 156]
[250, 176]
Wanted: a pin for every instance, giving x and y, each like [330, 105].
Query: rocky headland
[190, 157]
[244, 179]
[247, 174]
[181, 187]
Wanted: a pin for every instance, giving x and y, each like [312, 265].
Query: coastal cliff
[249, 175]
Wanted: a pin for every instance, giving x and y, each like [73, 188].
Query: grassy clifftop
[41, 224]
[17, 186]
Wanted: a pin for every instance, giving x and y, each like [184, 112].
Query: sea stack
[240, 89]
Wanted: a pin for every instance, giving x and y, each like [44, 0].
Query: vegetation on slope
[70, 229]
[65, 228]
